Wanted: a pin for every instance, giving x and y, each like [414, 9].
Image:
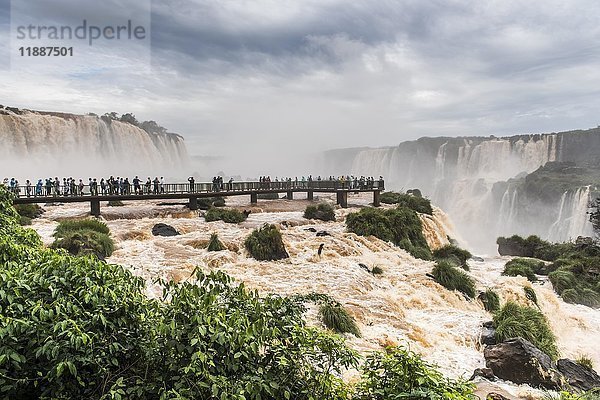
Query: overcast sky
[233, 76]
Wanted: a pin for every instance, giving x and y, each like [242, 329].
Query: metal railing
[183, 188]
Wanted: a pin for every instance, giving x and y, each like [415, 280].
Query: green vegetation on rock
[214, 244]
[229, 215]
[266, 244]
[400, 226]
[416, 203]
[399, 373]
[337, 318]
[204, 203]
[115, 203]
[530, 294]
[523, 267]
[84, 237]
[453, 254]
[453, 278]
[490, 300]
[323, 211]
[529, 323]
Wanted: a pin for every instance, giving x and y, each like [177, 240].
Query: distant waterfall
[573, 218]
[36, 144]
[470, 179]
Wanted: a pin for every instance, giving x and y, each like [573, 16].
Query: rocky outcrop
[488, 333]
[485, 373]
[519, 361]
[577, 375]
[164, 230]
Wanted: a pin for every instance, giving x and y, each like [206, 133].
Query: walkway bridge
[195, 191]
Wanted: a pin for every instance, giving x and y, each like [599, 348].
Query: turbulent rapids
[60, 144]
[401, 306]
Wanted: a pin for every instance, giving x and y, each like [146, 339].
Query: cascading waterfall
[66, 144]
[461, 176]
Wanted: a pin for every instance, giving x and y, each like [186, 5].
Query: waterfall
[35, 143]
[572, 220]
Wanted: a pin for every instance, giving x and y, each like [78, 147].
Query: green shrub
[214, 244]
[530, 294]
[400, 226]
[336, 318]
[83, 237]
[416, 203]
[377, 270]
[562, 280]
[267, 196]
[452, 278]
[452, 252]
[266, 244]
[490, 300]
[514, 321]
[24, 221]
[80, 224]
[323, 211]
[228, 215]
[204, 203]
[521, 267]
[585, 361]
[115, 203]
[398, 373]
[30, 211]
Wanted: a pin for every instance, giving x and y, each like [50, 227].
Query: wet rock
[488, 333]
[513, 247]
[323, 233]
[577, 375]
[363, 266]
[310, 230]
[478, 259]
[485, 373]
[519, 361]
[495, 396]
[164, 230]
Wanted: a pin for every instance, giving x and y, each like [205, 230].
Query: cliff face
[69, 144]
[478, 180]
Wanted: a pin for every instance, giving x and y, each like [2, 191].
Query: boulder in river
[164, 230]
[577, 375]
[519, 361]
[488, 333]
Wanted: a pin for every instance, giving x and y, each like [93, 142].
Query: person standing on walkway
[28, 187]
[162, 184]
[156, 182]
[192, 182]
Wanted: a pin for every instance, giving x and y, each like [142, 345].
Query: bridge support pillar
[310, 195]
[193, 204]
[342, 199]
[290, 195]
[376, 201]
[253, 198]
[95, 208]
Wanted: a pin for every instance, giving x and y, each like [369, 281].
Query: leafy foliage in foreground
[452, 252]
[514, 321]
[400, 226]
[452, 278]
[84, 236]
[401, 374]
[76, 327]
[416, 203]
[266, 244]
[323, 211]
[231, 215]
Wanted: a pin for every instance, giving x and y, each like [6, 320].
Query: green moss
[416, 203]
[490, 300]
[215, 244]
[452, 278]
[401, 226]
[266, 244]
[454, 254]
[323, 212]
[336, 318]
[231, 216]
[529, 323]
[521, 267]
